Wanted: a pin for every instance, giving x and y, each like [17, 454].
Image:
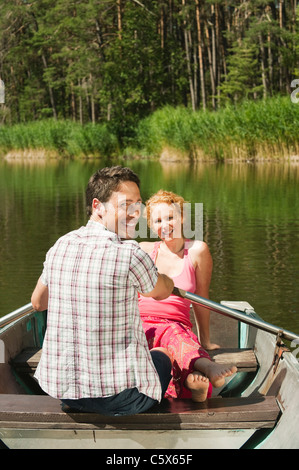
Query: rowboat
[257, 408]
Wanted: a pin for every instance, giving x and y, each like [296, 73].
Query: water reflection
[250, 224]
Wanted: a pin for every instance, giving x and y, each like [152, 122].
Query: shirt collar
[97, 226]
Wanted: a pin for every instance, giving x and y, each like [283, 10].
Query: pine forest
[116, 62]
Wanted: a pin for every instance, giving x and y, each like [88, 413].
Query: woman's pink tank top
[173, 308]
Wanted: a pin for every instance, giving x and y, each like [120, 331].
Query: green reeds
[263, 129]
[65, 138]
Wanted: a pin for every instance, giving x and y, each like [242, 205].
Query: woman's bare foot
[199, 386]
[210, 346]
[215, 372]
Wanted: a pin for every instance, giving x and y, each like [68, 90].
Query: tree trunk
[162, 26]
[195, 73]
[51, 94]
[270, 63]
[189, 69]
[200, 56]
[93, 108]
[80, 103]
[217, 52]
[263, 62]
[119, 18]
[212, 77]
[279, 53]
[73, 103]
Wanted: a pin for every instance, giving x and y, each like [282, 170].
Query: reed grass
[65, 137]
[263, 129]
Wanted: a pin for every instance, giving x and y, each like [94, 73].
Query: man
[95, 356]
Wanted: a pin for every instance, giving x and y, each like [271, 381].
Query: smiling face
[166, 221]
[121, 213]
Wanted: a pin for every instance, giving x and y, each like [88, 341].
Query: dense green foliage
[264, 128]
[63, 137]
[117, 61]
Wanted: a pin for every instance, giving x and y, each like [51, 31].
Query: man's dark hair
[105, 181]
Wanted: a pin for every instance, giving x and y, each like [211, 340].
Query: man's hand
[162, 289]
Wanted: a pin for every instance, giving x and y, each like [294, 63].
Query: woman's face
[166, 221]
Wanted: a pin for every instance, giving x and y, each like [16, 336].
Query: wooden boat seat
[244, 359]
[44, 412]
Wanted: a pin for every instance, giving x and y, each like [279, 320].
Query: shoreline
[251, 131]
[168, 155]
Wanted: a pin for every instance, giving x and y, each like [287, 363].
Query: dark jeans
[130, 401]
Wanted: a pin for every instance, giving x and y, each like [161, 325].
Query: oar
[232, 313]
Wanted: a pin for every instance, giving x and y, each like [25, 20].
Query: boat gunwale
[16, 315]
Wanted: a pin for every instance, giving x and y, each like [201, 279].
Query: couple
[98, 355]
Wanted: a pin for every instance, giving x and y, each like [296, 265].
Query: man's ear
[98, 208]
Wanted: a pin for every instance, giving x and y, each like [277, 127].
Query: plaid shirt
[95, 345]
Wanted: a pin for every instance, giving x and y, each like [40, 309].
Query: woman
[167, 323]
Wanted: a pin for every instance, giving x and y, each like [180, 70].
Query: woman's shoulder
[197, 246]
[199, 252]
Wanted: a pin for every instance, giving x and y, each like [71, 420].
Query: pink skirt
[184, 346]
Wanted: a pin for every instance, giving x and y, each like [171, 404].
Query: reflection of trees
[38, 205]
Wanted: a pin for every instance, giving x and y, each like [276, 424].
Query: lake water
[251, 224]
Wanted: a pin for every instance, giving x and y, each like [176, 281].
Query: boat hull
[28, 331]
[284, 384]
[120, 440]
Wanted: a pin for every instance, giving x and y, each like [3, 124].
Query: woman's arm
[202, 260]
[39, 298]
